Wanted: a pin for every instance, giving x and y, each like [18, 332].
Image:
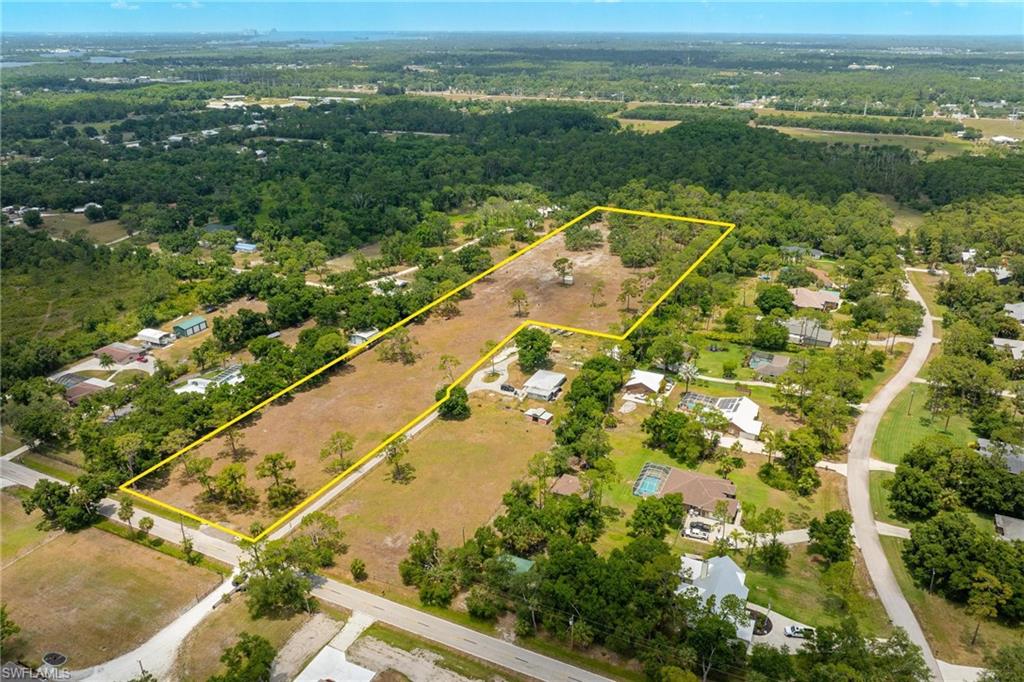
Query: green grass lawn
[63, 224]
[893, 362]
[800, 595]
[877, 482]
[899, 431]
[19, 534]
[928, 286]
[711, 362]
[941, 146]
[946, 625]
[9, 440]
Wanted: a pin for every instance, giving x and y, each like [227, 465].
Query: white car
[697, 533]
[798, 632]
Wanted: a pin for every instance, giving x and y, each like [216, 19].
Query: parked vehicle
[697, 533]
[798, 632]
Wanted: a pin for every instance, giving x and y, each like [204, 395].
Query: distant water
[325, 37]
[14, 65]
[107, 60]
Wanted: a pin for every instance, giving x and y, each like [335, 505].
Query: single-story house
[80, 391]
[1002, 275]
[741, 412]
[190, 326]
[120, 353]
[154, 337]
[245, 247]
[717, 577]
[815, 299]
[566, 484]
[1014, 346]
[1013, 455]
[539, 415]
[230, 375]
[544, 384]
[701, 493]
[768, 364]
[1009, 528]
[643, 384]
[807, 332]
[796, 251]
[1015, 310]
[358, 338]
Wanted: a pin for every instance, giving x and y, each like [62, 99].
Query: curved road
[857, 469]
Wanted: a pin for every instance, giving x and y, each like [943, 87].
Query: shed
[358, 338]
[544, 384]
[519, 564]
[539, 415]
[155, 337]
[642, 383]
[246, 247]
[190, 326]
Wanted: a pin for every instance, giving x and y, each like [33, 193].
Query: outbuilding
[120, 353]
[154, 337]
[539, 415]
[190, 326]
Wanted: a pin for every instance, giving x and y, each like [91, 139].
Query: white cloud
[122, 4]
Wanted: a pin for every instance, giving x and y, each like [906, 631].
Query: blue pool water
[648, 485]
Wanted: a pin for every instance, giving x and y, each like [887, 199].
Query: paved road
[487, 648]
[858, 467]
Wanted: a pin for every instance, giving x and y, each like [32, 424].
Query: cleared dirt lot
[372, 399]
[90, 595]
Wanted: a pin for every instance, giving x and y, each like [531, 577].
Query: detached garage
[190, 326]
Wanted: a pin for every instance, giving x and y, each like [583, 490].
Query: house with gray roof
[1015, 310]
[1013, 455]
[1014, 346]
[804, 331]
[1009, 528]
[718, 577]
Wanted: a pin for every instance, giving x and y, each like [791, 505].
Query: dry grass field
[66, 224]
[89, 595]
[372, 399]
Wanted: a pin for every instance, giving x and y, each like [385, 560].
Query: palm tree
[688, 372]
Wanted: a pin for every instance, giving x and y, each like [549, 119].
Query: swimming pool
[648, 485]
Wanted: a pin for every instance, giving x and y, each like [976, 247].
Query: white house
[740, 412]
[718, 577]
[1015, 310]
[231, 375]
[358, 338]
[544, 385]
[155, 337]
[1015, 346]
[643, 385]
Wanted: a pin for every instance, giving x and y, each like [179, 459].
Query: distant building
[1014, 346]
[231, 376]
[1009, 528]
[807, 332]
[797, 251]
[718, 577]
[246, 247]
[968, 255]
[154, 337]
[740, 412]
[768, 364]
[190, 326]
[1000, 274]
[815, 299]
[1013, 455]
[1015, 310]
[358, 338]
[120, 353]
[544, 384]
[1003, 139]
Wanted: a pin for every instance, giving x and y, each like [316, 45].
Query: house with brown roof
[120, 353]
[701, 493]
[815, 299]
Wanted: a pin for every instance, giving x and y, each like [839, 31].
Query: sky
[618, 16]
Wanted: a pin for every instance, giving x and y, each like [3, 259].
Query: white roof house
[643, 384]
[1015, 346]
[231, 376]
[358, 338]
[741, 412]
[1015, 310]
[156, 337]
[718, 577]
[544, 384]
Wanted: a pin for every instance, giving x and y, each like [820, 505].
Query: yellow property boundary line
[126, 486]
